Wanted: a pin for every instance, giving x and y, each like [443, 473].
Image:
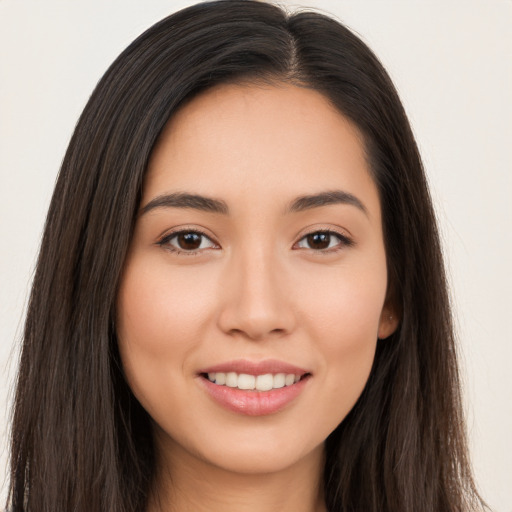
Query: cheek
[342, 314]
[344, 305]
[160, 319]
[156, 306]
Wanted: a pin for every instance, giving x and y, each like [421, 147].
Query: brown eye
[324, 241]
[187, 242]
[319, 240]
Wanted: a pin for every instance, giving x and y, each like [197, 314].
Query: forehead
[260, 141]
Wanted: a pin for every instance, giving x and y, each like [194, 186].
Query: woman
[240, 300]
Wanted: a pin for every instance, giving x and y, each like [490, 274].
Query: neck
[193, 485]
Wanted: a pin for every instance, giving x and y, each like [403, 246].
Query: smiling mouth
[254, 388]
[246, 382]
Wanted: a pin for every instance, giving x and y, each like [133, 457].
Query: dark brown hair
[80, 440]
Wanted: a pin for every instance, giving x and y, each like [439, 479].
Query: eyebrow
[327, 198]
[185, 200]
[212, 205]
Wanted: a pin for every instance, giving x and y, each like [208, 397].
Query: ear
[388, 322]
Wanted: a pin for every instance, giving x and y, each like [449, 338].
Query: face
[254, 290]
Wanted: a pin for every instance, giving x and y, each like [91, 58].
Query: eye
[327, 241]
[187, 241]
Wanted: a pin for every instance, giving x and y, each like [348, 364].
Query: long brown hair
[80, 440]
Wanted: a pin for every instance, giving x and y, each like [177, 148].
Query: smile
[254, 388]
[247, 382]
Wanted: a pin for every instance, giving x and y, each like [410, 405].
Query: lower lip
[254, 403]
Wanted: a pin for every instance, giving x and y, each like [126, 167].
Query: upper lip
[255, 367]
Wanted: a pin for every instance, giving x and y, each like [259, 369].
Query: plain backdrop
[452, 64]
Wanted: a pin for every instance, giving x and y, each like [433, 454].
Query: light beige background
[452, 63]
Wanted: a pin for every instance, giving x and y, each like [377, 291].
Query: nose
[256, 299]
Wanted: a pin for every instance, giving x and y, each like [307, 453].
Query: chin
[253, 460]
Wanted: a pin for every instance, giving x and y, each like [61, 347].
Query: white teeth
[289, 379]
[264, 382]
[279, 380]
[231, 379]
[244, 381]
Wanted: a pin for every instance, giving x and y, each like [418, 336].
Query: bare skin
[198, 487]
[252, 273]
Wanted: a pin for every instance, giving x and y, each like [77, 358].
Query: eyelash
[164, 242]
